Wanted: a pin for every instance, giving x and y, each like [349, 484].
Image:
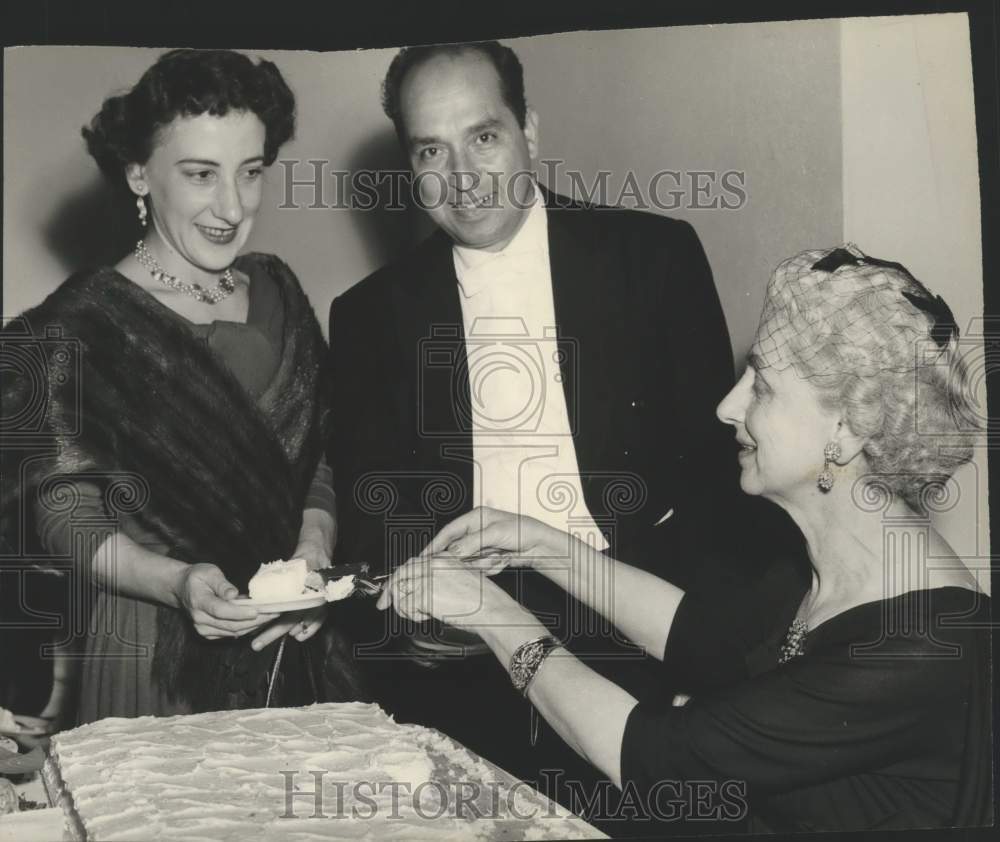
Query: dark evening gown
[117, 677]
[883, 722]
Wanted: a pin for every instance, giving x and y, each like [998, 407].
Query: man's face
[470, 157]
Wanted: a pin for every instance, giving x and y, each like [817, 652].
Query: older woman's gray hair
[880, 348]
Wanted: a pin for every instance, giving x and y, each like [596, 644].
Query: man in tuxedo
[536, 355]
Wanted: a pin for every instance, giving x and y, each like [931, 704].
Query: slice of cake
[331, 771]
[278, 581]
[281, 581]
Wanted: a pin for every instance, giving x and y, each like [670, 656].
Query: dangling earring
[831, 453]
[140, 204]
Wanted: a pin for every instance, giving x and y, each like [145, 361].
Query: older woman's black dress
[883, 722]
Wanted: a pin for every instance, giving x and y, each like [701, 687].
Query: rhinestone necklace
[225, 287]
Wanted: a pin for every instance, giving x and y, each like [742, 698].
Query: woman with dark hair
[185, 411]
[860, 702]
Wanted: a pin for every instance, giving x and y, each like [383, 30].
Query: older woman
[863, 702]
[187, 406]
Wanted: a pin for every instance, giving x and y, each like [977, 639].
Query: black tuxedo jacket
[645, 360]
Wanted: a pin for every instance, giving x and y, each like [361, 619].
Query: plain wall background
[859, 129]
[911, 193]
[683, 99]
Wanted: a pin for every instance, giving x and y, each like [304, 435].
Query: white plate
[299, 603]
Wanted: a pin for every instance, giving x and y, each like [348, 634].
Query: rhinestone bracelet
[527, 659]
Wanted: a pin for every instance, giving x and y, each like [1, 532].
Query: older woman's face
[782, 429]
[205, 182]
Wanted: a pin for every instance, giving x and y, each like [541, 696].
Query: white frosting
[339, 588]
[279, 580]
[218, 776]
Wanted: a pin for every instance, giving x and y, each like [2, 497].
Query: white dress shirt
[525, 459]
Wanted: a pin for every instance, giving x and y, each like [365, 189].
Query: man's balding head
[504, 60]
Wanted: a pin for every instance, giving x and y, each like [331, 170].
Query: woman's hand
[491, 540]
[444, 589]
[317, 538]
[299, 624]
[204, 593]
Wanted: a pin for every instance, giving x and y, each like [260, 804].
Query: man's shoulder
[611, 220]
[373, 289]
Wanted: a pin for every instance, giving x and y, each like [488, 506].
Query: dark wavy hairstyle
[186, 83]
[504, 59]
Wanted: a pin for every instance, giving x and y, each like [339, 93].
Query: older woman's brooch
[795, 641]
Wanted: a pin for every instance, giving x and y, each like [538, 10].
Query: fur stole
[123, 385]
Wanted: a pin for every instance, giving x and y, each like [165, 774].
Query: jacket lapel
[591, 311]
[429, 329]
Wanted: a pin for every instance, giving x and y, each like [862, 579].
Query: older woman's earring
[831, 453]
[140, 203]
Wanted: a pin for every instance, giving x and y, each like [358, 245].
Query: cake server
[363, 583]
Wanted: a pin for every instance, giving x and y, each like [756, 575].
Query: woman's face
[205, 180]
[782, 429]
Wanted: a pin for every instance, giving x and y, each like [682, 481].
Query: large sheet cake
[332, 771]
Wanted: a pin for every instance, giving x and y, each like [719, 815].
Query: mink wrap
[103, 378]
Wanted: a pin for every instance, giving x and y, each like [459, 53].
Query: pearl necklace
[225, 287]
